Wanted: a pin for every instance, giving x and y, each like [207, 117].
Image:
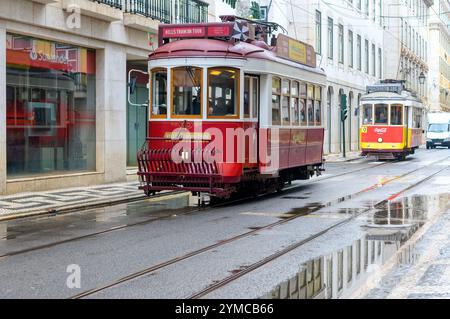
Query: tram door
[251, 107]
[407, 125]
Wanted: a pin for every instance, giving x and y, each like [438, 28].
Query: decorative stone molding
[94, 9]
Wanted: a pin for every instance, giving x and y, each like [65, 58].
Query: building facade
[407, 37]
[64, 116]
[348, 38]
[439, 57]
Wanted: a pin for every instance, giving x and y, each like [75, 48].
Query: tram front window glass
[367, 114]
[396, 114]
[51, 108]
[187, 91]
[223, 92]
[381, 114]
[276, 96]
[159, 92]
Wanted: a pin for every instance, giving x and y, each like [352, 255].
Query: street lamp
[422, 78]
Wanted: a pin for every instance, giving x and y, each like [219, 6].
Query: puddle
[342, 272]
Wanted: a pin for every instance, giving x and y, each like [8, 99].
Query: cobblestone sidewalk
[79, 197]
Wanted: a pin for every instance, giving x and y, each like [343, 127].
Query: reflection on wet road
[342, 272]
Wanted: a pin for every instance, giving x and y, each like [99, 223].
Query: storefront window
[50, 107]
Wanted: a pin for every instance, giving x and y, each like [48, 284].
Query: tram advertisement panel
[382, 137]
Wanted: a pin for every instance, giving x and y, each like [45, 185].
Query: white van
[438, 132]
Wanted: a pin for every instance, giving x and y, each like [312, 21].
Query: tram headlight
[380, 140]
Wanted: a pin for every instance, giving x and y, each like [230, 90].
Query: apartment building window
[373, 60]
[366, 7]
[330, 38]
[359, 52]
[366, 56]
[374, 6]
[341, 44]
[319, 32]
[380, 63]
[359, 5]
[350, 48]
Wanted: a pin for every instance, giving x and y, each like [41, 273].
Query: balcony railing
[155, 9]
[186, 11]
[113, 3]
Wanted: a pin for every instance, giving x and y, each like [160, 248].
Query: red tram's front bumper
[157, 172]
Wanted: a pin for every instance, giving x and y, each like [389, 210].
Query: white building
[439, 57]
[64, 118]
[348, 38]
[407, 37]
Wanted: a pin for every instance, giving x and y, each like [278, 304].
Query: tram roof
[390, 96]
[212, 48]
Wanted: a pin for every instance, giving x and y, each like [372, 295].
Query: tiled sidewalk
[25, 204]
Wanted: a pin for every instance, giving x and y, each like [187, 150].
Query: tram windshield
[367, 114]
[396, 114]
[223, 91]
[381, 114]
[187, 91]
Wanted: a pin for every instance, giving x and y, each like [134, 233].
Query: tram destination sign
[391, 88]
[297, 51]
[195, 30]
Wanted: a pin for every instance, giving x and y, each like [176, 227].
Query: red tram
[230, 113]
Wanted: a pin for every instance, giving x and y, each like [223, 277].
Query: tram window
[159, 92]
[381, 114]
[255, 99]
[367, 114]
[417, 117]
[396, 114]
[286, 102]
[303, 121]
[187, 91]
[276, 96]
[223, 91]
[295, 115]
[310, 112]
[247, 97]
[318, 113]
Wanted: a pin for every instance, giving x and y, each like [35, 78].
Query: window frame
[153, 116]
[237, 97]
[390, 114]
[172, 95]
[271, 101]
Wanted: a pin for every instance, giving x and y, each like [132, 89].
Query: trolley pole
[344, 115]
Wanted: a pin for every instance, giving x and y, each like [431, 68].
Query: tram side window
[276, 96]
[303, 96]
[295, 116]
[286, 89]
[318, 106]
[187, 91]
[159, 92]
[223, 91]
[396, 114]
[247, 97]
[417, 118]
[367, 114]
[310, 112]
[381, 114]
[255, 99]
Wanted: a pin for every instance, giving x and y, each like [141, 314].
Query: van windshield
[439, 128]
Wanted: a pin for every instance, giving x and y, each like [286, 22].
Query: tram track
[259, 229]
[182, 213]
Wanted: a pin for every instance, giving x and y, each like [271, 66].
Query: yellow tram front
[391, 121]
